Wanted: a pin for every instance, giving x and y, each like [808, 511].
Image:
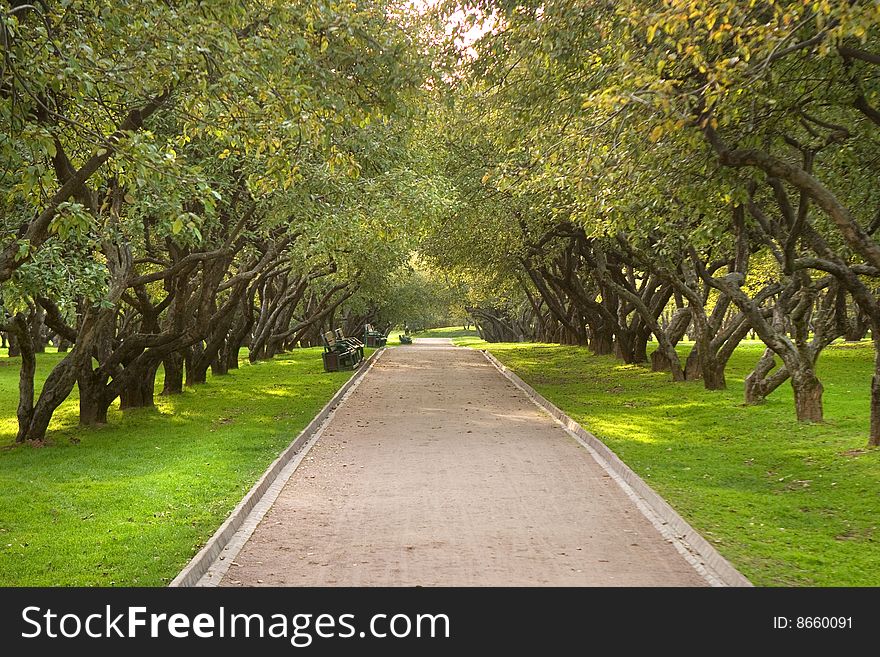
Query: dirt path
[439, 471]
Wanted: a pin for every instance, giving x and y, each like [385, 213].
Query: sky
[468, 37]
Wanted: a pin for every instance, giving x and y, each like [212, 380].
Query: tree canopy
[184, 178]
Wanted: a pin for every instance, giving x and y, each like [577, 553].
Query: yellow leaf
[652, 30]
[655, 135]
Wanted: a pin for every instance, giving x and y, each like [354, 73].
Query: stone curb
[199, 565]
[707, 556]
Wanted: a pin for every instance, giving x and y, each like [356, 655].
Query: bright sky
[471, 35]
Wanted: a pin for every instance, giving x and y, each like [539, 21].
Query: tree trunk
[874, 438]
[25, 411]
[230, 354]
[55, 390]
[623, 346]
[93, 405]
[703, 363]
[196, 371]
[92, 330]
[807, 395]
[38, 339]
[26, 396]
[92, 411]
[711, 369]
[857, 327]
[675, 330]
[602, 341]
[756, 389]
[14, 349]
[659, 361]
[675, 327]
[173, 383]
[713, 374]
[693, 368]
[197, 374]
[237, 335]
[219, 364]
[640, 347]
[568, 337]
[138, 392]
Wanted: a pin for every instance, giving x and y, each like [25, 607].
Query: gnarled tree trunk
[173, 366]
[93, 402]
[20, 329]
[138, 391]
[807, 395]
[196, 367]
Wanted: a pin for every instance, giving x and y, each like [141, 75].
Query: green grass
[446, 332]
[131, 502]
[786, 503]
[471, 341]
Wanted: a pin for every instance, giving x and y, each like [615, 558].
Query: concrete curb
[705, 558]
[199, 565]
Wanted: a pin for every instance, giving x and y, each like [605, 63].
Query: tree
[192, 157]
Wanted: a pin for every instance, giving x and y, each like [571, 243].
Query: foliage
[421, 297]
[173, 170]
[616, 163]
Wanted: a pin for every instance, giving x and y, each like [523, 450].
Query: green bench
[373, 338]
[340, 354]
[353, 342]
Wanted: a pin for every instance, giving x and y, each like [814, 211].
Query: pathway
[437, 471]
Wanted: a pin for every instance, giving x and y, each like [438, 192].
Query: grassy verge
[130, 503]
[446, 332]
[786, 503]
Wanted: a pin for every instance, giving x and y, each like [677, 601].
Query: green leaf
[24, 247]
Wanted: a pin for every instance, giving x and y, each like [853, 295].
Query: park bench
[339, 355]
[372, 337]
[350, 341]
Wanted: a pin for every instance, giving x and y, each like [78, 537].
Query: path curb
[699, 546]
[199, 564]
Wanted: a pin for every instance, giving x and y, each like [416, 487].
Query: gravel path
[437, 471]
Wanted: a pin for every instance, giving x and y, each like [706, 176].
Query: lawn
[131, 502]
[786, 503]
[447, 332]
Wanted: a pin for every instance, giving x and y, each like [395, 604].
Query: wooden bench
[350, 341]
[339, 355]
[372, 337]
